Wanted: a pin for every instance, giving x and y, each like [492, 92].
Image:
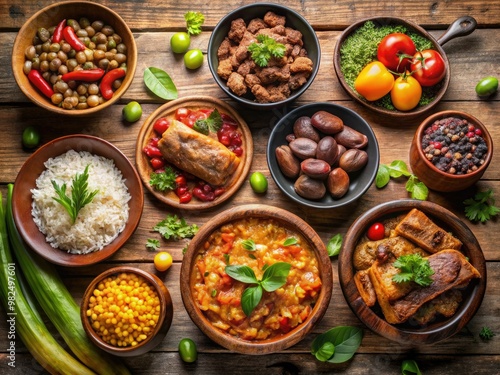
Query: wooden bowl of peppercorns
[450, 151]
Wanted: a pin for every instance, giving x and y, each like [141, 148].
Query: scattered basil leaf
[410, 367]
[334, 245]
[242, 273]
[248, 245]
[290, 241]
[160, 83]
[152, 244]
[325, 352]
[345, 339]
[398, 168]
[275, 276]
[251, 298]
[417, 189]
[383, 177]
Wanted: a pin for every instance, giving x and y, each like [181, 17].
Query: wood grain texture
[153, 23]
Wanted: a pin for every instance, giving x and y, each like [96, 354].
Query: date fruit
[327, 150]
[303, 148]
[338, 182]
[315, 168]
[302, 128]
[351, 138]
[309, 188]
[353, 160]
[288, 163]
[327, 122]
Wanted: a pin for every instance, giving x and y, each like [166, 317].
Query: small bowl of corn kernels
[126, 311]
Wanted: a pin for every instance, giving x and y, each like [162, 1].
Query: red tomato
[395, 51]
[428, 67]
[376, 232]
[181, 113]
[161, 125]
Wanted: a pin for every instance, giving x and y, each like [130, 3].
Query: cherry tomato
[193, 59]
[428, 67]
[132, 112]
[374, 81]
[163, 261]
[258, 182]
[179, 42]
[188, 350]
[395, 51]
[376, 232]
[406, 93]
[161, 125]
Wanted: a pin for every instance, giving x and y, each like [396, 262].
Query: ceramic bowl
[51, 16]
[225, 339]
[26, 180]
[193, 103]
[360, 181]
[435, 178]
[462, 26]
[407, 333]
[248, 12]
[160, 329]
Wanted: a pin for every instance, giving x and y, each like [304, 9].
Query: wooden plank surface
[153, 23]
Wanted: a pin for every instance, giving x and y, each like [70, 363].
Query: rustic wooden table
[153, 22]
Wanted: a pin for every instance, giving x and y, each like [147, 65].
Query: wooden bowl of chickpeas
[126, 311]
[74, 58]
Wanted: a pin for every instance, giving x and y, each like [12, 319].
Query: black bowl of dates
[263, 55]
[412, 271]
[323, 155]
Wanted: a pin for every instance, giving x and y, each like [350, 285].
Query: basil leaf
[275, 276]
[226, 258]
[290, 241]
[410, 367]
[242, 273]
[383, 177]
[334, 245]
[201, 127]
[417, 189]
[346, 340]
[248, 245]
[160, 83]
[398, 168]
[214, 121]
[325, 352]
[251, 298]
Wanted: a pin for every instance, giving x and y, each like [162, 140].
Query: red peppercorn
[478, 132]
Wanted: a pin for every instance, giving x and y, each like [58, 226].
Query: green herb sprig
[334, 245]
[396, 169]
[211, 124]
[266, 48]
[80, 196]
[413, 267]
[174, 227]
[337, 345]
[152, 244]
[486, 333]
[194, 20]
[481, 207]
[163, 181]
[410, 367]
[274, 277]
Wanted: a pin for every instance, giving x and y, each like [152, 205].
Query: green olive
[193, 58]
[188, 351]
[258, 182]
[487, 86]
[31, 137]
[180, 42]
[132, 112]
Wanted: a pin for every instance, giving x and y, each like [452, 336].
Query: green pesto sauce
[360, 48]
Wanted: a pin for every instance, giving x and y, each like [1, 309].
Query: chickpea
[27, 66]
[81, 57]
[93, 89]
[97, 25]
[56, 98]
[93, 100]
[30, 52]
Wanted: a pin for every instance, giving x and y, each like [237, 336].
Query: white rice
[99, 222]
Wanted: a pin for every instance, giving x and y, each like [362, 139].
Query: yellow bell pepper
[374, 81]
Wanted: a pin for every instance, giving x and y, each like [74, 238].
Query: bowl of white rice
[102, 225]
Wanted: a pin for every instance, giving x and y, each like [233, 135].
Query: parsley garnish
[194, 20]
[163, 181]
[413, 267]
[152, 244]
[274, 277]
[397, 169]
[486, 333]
[175, 228]
[80, 196]
[211, 124]
[266, 48]
[481, 207]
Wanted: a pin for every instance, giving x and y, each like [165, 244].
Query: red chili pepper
[107, 82]
[70, 37]
[90, 75]
[40, 83]
[58, 31]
